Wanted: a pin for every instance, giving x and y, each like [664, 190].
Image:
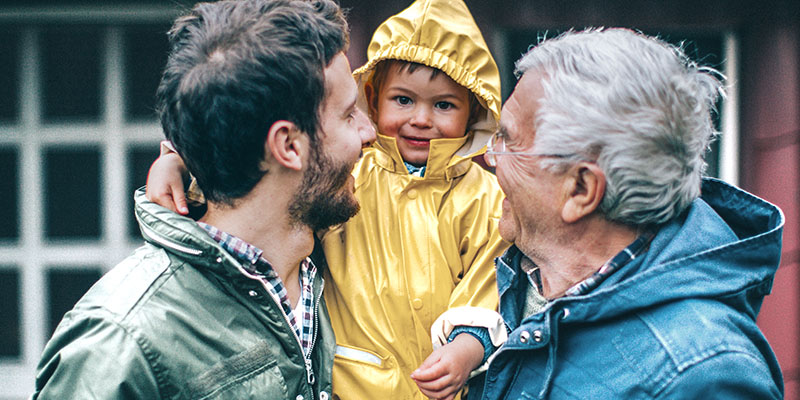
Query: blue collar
[416, 171]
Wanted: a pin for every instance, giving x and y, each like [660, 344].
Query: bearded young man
[258, 99]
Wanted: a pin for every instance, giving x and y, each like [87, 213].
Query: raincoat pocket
[358, 355]
[361, 374]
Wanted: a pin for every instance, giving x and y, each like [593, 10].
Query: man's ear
[584, 188]
[372, 100]
[286, 144]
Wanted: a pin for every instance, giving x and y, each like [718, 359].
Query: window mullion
[729, 140]
[31, 205]
[113, 186]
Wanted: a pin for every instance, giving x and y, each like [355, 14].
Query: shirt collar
[625, 256]
[249, 255]
[413, 170]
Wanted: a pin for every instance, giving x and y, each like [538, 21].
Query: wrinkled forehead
[518, 117]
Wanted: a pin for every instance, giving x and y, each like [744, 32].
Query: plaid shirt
[254, 264]
[623, 257]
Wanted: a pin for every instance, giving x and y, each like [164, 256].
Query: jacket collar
[182, 237]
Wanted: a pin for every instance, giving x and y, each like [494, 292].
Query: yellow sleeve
[476, 226]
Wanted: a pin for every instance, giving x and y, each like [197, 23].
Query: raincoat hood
[441, 34]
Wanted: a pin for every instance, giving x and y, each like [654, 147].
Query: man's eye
[403, 100]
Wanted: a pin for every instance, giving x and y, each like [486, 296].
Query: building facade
[78, 133]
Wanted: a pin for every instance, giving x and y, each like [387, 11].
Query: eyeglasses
[497, 147]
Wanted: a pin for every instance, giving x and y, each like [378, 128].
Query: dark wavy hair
[236, 67]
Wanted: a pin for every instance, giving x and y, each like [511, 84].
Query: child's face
[413, 108]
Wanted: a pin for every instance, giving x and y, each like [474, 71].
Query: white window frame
[32, 253]
[729, 141]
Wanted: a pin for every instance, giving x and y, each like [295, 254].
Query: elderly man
[631, 276]
[258, 99]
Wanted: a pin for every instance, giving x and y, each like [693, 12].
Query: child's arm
[445, 371]
[463, 340]
[165, 181]
[474, 298]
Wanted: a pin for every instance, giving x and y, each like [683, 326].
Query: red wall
[771, 169]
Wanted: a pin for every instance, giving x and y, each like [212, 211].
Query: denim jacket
[676, 322]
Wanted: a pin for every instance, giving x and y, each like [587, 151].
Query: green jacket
[177, 319]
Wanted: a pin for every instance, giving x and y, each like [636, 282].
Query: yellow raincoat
[420, 245]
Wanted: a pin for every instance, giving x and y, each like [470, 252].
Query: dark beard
[323, 201]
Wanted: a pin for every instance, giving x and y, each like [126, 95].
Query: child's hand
[165, 183]
[446, 370]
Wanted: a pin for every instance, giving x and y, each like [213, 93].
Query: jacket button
[412, 194]
[524, 336]
[219, 260]
[253, 293]
[323, 395]
[417, 303]
[299, 397]
[537, 336]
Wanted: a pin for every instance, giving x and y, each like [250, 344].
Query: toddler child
[425, 239]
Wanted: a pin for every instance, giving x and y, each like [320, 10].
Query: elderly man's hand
[446, 370]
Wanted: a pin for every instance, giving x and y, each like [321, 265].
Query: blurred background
[78, 133]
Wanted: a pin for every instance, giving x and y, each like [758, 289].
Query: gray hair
[635, 105]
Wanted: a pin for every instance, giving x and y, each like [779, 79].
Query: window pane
[139, 160]
[71, 72]
[65, 288]
[72, 192]
[146, 50]
[9, 200]
[9, 314]
[9, 73]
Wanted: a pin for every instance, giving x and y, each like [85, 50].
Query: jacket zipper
[166, 243]
[306, 360]
[314, 330]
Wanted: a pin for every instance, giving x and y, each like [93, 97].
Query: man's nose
[366, 131]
